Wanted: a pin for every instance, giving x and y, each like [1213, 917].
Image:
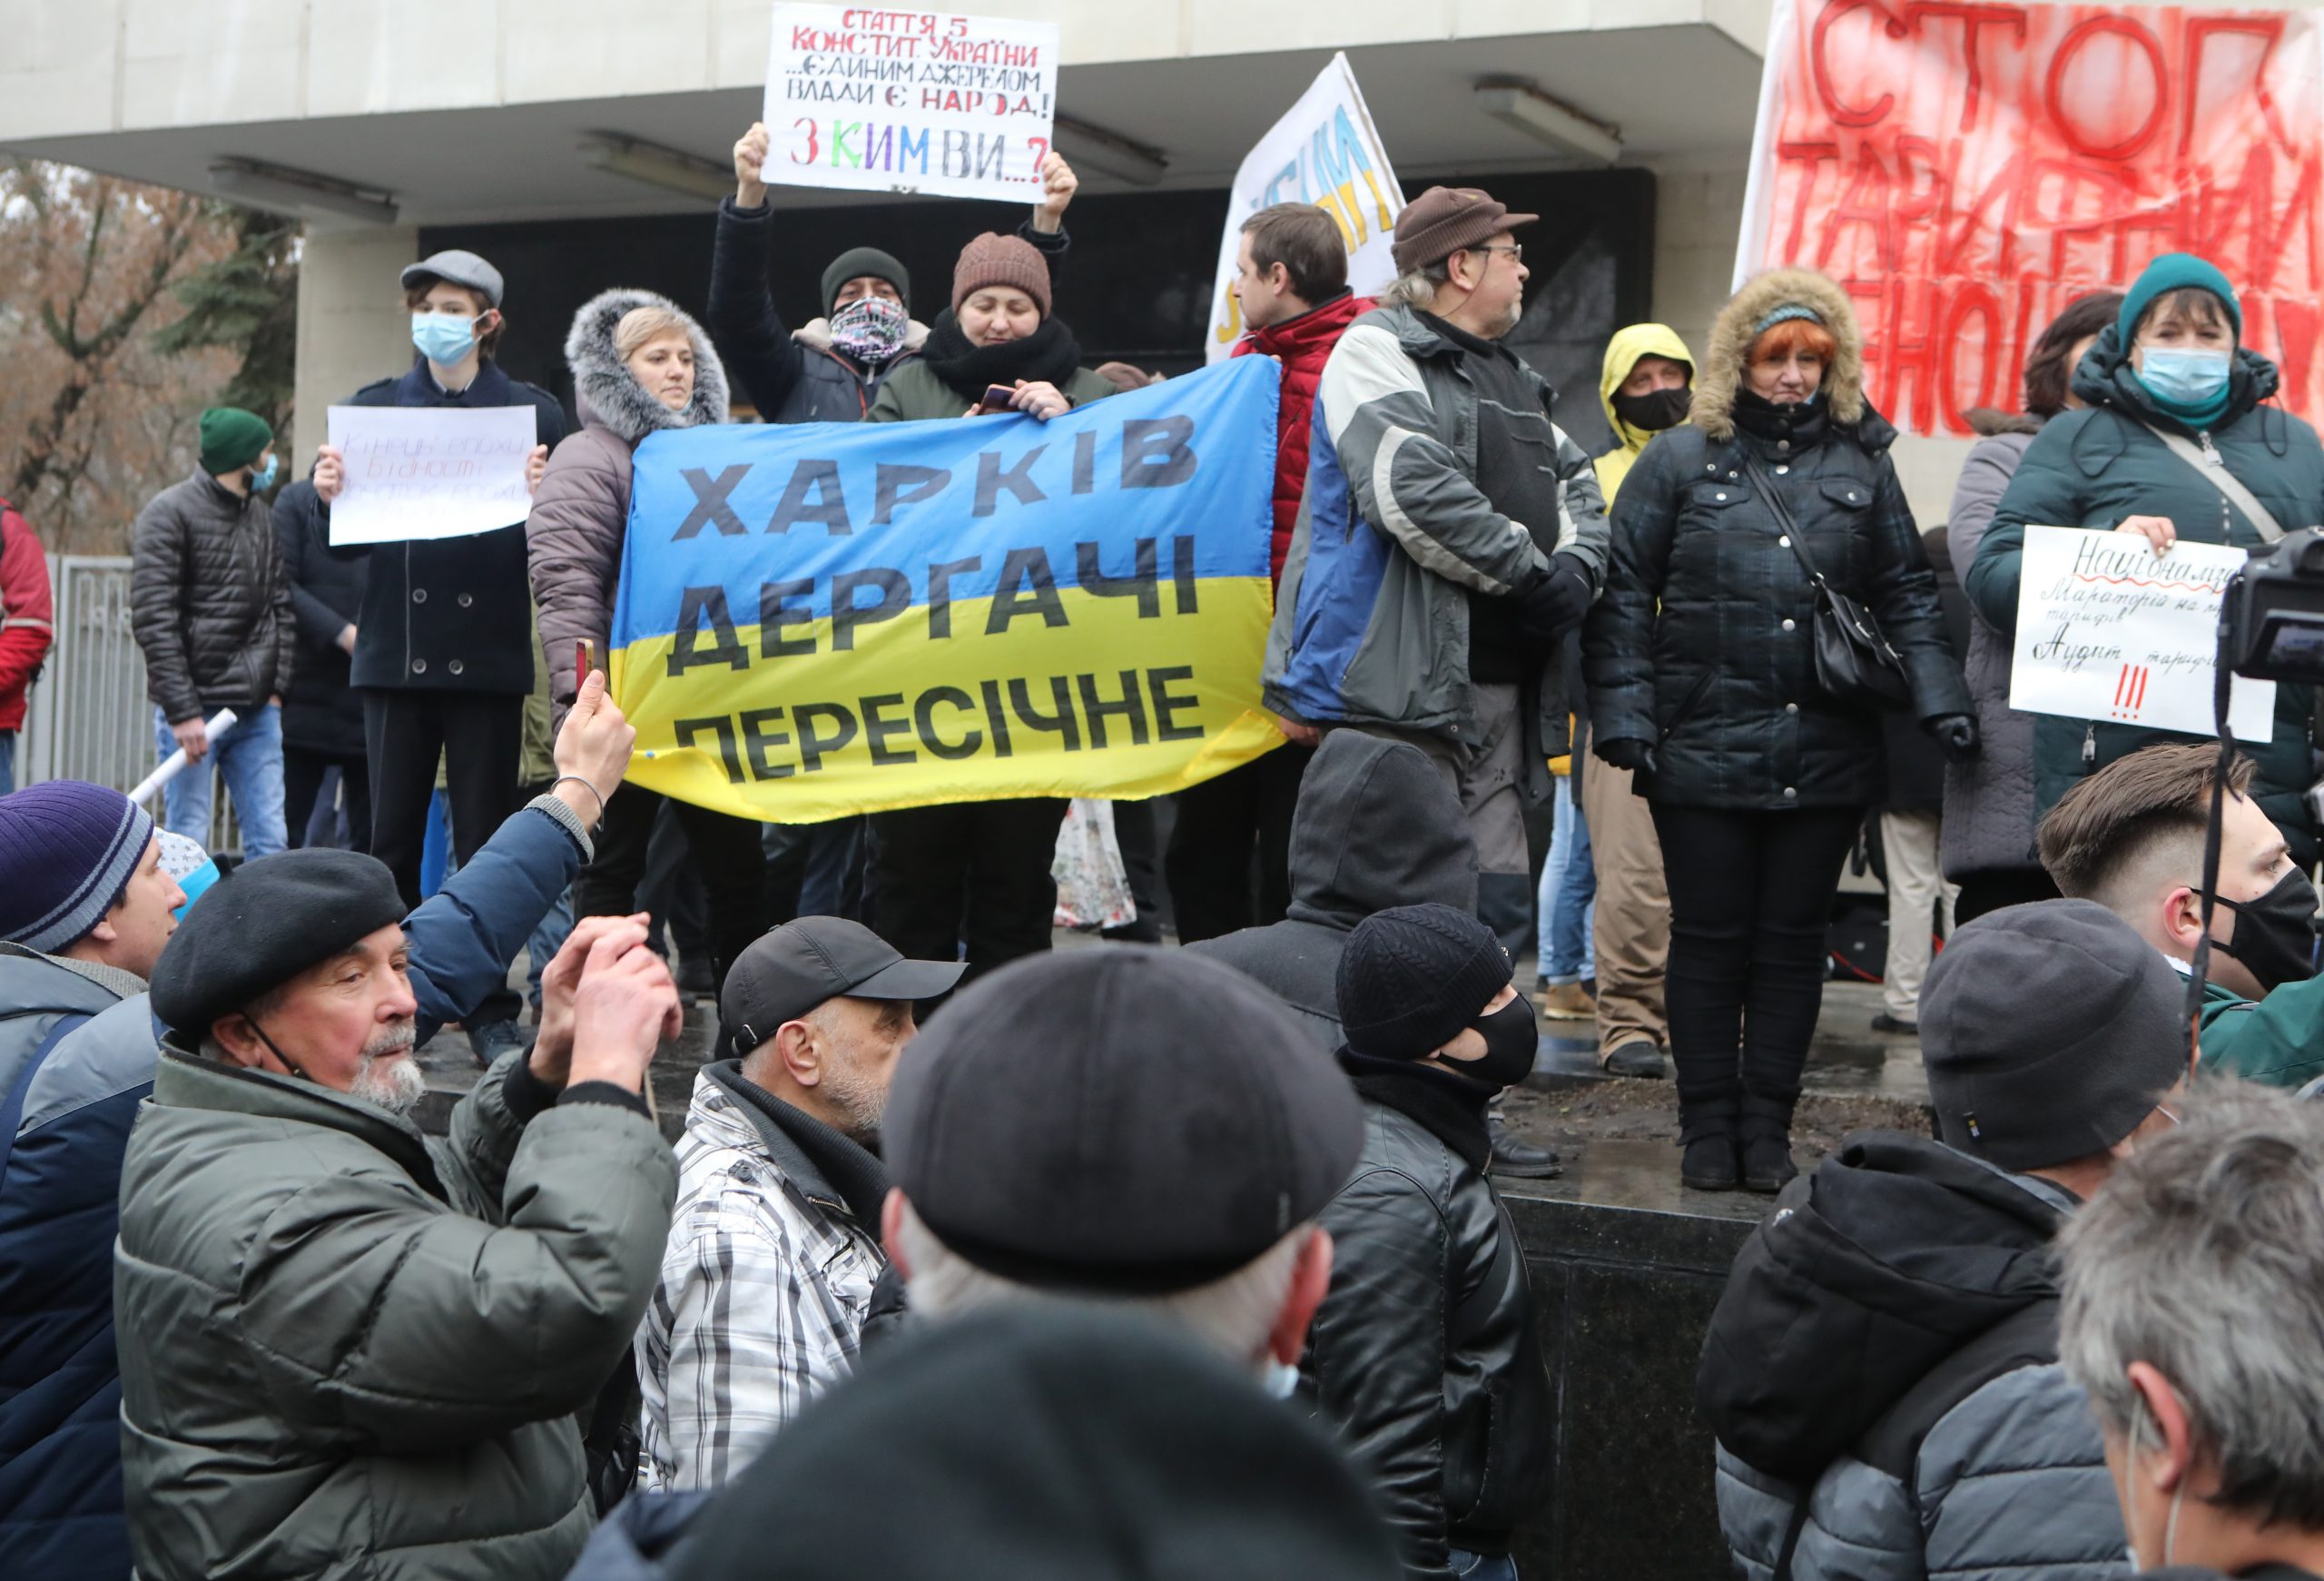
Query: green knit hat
[2175, 271]
[232, 438]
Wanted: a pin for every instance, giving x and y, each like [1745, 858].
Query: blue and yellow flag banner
[832, 618]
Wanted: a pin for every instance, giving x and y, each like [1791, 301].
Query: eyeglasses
[1516, 251]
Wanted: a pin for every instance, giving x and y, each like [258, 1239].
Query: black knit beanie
[858, 261]
[1411, 977]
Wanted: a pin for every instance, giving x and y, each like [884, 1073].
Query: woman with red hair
[1703, 681]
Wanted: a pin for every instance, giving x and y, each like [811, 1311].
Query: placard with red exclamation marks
[2129, 692]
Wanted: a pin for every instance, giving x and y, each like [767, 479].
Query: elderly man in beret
[358, 1349]
[1129, 1124]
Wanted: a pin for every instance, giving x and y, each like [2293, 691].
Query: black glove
[1627, 752]
[1956, 733]
[1555, 605]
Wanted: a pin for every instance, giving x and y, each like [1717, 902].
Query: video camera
[2271, 621]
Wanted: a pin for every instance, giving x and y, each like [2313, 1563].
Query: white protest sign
[1326, 151]
[910, 101]
[414, 472]
[2109, 630]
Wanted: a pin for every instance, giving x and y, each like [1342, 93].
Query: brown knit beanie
[1010, 261]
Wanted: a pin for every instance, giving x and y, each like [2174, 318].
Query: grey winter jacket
[1377, 826]
[1989, 799]
[1901, 1304]
[362, 1348]
[580, 516]
[209, 601]
[1372, 622]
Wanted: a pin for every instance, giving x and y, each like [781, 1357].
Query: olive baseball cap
[789, 970]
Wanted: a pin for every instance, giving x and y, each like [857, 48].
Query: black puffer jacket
[320, 711]
[208, 600]
[1425, 1350]
[1882, 1375]
[1703, 642]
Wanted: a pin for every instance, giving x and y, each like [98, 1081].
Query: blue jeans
[7, 761]
[1481, 1566]
[248, 757]
[1569, 891]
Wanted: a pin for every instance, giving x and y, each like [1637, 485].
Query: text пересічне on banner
[821, 620]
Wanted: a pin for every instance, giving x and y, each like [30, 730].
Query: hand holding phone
[999, 398]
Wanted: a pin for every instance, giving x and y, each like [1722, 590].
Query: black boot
[1706, 1132]
[1766, 1143]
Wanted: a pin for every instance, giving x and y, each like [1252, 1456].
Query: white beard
[396, 1087]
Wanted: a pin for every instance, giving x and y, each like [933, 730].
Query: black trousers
[1750, 904]
[302, 782]
[480, 736]
[973, 874]
[1134, 834]
[725, 855]
[1984, 892]
[1226, 826]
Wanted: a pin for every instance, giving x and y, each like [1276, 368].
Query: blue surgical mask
[443, 338]
[2188, 378]
[264, 479]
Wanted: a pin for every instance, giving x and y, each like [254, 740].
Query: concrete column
[1698, 215]
[352, 326]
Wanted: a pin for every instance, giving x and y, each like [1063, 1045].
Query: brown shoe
[1567, 1001]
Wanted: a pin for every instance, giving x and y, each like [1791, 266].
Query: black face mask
[2275, 936]
[1511, 1044]
[1655, 410]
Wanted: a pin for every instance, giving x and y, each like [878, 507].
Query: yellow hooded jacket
[1623, 353]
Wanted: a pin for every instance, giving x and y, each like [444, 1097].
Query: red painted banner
[1967, 169]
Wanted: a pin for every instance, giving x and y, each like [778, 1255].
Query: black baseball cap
[789, 970]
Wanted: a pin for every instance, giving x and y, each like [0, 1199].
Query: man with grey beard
[346, 1347]
[775, 1248]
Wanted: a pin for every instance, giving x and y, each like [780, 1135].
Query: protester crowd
[1171, 1262]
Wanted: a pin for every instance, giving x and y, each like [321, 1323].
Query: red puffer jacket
[25, 629]
[1303, 345]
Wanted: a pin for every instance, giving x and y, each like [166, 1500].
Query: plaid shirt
[761, 1304]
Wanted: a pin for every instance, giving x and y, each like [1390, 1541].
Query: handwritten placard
[415, 473]
[910, 101]
[2107, 629]
[1966, 170]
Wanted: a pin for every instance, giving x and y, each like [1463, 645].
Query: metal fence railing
[88, 717]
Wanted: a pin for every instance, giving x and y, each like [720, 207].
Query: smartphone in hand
[999, 398]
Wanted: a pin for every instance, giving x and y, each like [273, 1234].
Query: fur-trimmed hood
[1721, 374]
[604, 390]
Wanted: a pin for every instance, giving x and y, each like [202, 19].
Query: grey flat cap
[455, 266]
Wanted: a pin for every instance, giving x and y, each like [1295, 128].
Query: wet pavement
[1848, 1062]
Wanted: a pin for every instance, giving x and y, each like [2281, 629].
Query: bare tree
[93, 416]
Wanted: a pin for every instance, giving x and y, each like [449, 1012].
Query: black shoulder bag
[1855, 663]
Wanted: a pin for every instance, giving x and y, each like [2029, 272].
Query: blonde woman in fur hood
[1701, 659]
[639, 364]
